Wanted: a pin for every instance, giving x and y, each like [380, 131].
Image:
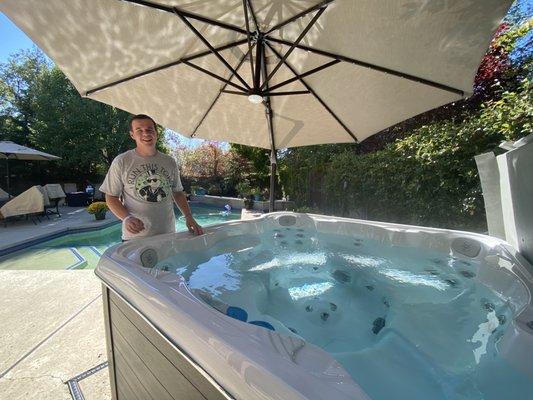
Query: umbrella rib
[248, 37]
[187, 14]
[213, 50]
[205, 71]
[328, 109]
[254, 17]
[268, 93]
[217, 97]
[165, 66]
[372, 66]
[235, 92]
[293, 46]
[256, 75]
[310, 72]
[299, 15]
[286, 93]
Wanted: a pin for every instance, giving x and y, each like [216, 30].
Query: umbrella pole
[273, 164]
[7, 176]
[273, 158]
[268, 112]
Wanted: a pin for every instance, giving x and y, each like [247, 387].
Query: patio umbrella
[10, 150]
[266, 73]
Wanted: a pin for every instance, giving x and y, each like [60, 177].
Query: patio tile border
[74, 388]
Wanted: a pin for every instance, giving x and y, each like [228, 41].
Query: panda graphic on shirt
[152, 186]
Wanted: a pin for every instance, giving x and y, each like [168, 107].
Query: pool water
[406, 323]
[83, 250]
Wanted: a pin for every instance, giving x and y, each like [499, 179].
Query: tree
[259, 160]
[205, 161]
[40, 108]
[87, 135]
[18, 77]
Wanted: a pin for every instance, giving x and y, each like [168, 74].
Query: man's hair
[140, 116]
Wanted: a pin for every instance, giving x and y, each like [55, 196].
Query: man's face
[144, 133]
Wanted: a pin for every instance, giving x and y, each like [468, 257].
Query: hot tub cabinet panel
[144, 364]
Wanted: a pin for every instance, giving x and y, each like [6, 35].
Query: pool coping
[82, 228]
[21, 245]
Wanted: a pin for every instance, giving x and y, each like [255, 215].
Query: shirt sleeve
[113, 184]
[176, 184]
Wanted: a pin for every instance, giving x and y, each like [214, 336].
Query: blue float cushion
[237, 313]
[264, 324]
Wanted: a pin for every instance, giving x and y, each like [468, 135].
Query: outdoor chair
[55, 195]
[4, 197]
[46, 200]
[29, 204]
[70, 187]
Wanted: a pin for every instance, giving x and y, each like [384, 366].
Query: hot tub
[299, 306]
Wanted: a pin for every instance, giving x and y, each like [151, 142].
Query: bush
[426, 178]
[214, 190]
[243, 188]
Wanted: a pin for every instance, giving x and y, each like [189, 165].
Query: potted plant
[98, 208]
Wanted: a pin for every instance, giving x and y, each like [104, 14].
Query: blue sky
[13, 39]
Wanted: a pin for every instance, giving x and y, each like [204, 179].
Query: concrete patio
[52, 320]
[52, 330]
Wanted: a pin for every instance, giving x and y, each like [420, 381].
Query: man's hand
[193, 226]
[133, 224]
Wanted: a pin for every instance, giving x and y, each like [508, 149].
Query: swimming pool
[314, 307]
[83, 250]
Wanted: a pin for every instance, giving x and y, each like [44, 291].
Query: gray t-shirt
[145, 185]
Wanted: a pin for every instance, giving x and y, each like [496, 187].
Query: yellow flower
[97, 207]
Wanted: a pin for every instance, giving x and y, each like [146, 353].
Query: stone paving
[52, 330]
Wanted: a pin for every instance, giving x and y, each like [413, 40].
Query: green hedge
[427, 178]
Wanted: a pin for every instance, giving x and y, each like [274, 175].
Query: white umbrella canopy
[10, 150]
[328, 71]
[13, 150]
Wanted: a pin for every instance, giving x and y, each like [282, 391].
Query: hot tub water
[418, 318]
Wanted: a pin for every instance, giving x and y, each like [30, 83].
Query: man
[147, 181]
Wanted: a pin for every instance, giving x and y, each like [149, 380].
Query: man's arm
[132, 224]
[181, 201]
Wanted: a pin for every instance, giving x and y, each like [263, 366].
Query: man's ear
[131, 135]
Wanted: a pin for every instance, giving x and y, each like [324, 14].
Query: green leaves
[429, 177]
[39, 107]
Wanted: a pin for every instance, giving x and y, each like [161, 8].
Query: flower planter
[99, 216]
